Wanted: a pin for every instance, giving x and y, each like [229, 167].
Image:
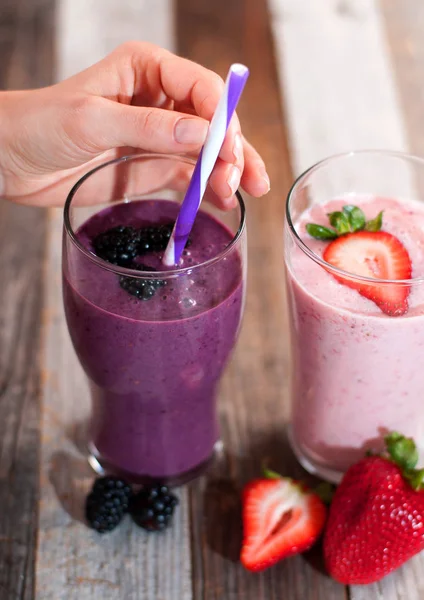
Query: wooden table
[326, 76]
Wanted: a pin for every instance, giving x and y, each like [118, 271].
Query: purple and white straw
[234, 84]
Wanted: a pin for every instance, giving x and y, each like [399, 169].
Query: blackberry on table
[118, 245]
[143, 289]
[153, 508]
[107, 503]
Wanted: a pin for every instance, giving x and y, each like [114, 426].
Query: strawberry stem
[404, 453]
[349, 220]
[415, 478]
[325, 491]
[270, 474]
[402, 450]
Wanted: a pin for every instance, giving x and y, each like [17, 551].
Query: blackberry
[143, 289]
[155, 239]
[107, 503]
[152, 508]
[121, 244]
[118, 245]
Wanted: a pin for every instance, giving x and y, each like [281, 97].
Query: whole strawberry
[376, 519]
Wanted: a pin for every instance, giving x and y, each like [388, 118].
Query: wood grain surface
[253, 400]
[26, 50]
[72, 561]
[325, 77]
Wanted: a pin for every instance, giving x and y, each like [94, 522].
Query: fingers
[103, 124]
[255, 179]
[232, 149]
[137, 81]
[225, 181]
[201, 88]
[249, 172]
[143, 73]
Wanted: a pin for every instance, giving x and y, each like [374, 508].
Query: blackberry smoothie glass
[152, 341]
[355, 363]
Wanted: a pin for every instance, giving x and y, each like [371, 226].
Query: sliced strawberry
[377, 255]
[280, 518]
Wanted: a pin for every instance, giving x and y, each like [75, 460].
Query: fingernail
[234, 179]
[190, 131]
[265, 184]
[238, 148]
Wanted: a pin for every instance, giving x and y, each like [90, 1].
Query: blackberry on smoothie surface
[143, 289]
[156, 238]
[118, 245]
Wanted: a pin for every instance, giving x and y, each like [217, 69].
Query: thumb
[114, 125]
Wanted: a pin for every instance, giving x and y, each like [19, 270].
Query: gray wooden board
[26, 60]
[71, 559]
[42, 486]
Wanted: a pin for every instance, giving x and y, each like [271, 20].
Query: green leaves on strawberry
[320, 232]
[349, 220]
[404, 453]
[376, 520]
[359, 247]
[340, 222]
[402, 450]
[355, 216]
[375, 224]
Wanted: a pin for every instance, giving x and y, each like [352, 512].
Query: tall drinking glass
[152, 341]
[356, 363]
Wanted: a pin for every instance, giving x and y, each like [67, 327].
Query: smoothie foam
[360, 374]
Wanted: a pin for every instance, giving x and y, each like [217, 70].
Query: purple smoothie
[154, 365]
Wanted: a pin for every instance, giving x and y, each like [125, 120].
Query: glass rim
[323, 263]
[132, 272]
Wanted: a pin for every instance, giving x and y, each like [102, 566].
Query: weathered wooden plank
[87, 30]
[20, 310]
[252, 391]
[404, 26]
[337, 79]
[72, 561]
[25, 45]
[253, 406]
[404, 584]
[338, 52]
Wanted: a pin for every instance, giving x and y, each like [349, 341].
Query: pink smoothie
[357, 372]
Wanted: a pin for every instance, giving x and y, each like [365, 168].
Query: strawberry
[376, 255]
[281, 517]
[376, 519]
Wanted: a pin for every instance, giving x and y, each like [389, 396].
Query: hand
[140, 96]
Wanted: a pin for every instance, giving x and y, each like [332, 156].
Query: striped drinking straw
[234, 84]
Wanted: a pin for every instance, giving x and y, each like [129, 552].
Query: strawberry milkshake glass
[354, 256]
